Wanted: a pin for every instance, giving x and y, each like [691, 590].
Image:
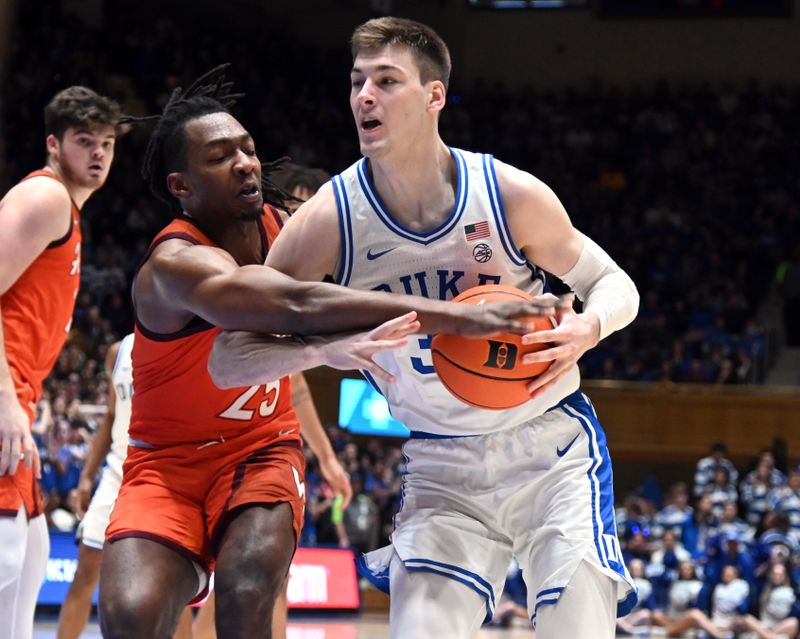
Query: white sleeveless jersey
[472, 247]
[122, 378]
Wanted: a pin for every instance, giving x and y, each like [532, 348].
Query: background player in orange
[215, 477]
[40, 244]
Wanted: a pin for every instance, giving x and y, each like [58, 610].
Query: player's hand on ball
[570, 339]
[483, 320]
[355, 351]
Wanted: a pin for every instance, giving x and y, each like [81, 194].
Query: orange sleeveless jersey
[175, 400]
[37, 310]
[37, 314]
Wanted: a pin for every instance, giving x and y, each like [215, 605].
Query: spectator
[704, 474]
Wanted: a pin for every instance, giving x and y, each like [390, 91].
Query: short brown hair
[79, 107]
[429, 50]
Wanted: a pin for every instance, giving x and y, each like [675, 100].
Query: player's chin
[251, 213]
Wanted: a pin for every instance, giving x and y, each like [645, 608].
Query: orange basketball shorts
[20, 490]
[182, 496]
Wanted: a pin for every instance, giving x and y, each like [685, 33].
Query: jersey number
[238, 411]
[418, 363]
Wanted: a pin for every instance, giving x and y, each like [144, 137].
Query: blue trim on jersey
[345, 231]
[543, 602]
[462, 193]
[378, 579]
[471, 575]
[421, 434]
[499, 212]
[121, 352]
[549, 591]
[593, 482]
[373, 383]
[625, 606]
[469, 579]
[538, 274]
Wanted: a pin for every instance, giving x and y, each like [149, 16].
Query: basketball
[487, 372]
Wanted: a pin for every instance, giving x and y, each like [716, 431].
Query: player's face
[223, 172]
[390, 104]
[84, 156]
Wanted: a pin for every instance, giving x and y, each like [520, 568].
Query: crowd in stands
[686, 186]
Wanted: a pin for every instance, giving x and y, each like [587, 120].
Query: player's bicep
[32, 215]
[308, 247]
[539, 224]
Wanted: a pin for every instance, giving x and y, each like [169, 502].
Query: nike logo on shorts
[563, 451]
[284, 433]
[374, 256]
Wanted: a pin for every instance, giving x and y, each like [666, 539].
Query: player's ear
[53, 146]
[437, 95]
[177, 185]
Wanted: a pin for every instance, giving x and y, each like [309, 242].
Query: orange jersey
[176, 402]
[37, 314]
[37, 310]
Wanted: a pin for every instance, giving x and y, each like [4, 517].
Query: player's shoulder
[38, 200]
[319, 214]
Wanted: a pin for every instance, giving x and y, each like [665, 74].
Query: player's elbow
[222, 363]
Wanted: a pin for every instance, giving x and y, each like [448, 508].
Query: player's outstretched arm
[32, 215]
[181, 280]
[542, 229]
[242, 358]
[101, 440]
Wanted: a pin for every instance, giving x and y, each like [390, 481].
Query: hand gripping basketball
[488, 372]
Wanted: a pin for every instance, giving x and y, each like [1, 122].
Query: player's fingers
[545, 355]
[550, 374]
[543, 337]
[384, 345]
[37, 463]
[27, 451]
[16, 450]
[387, 328]
[5, 454]
[346, 491]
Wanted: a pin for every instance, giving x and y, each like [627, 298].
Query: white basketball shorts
[540, 491]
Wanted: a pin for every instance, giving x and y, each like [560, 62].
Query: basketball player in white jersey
[110, 443]
[534, 482]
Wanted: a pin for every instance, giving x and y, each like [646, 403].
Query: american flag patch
[476, 231]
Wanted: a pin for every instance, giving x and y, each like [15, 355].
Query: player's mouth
[370, 125]
[250, 193]
[95, 168]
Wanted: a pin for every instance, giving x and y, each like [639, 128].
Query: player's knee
[11, 563]
[133, 613]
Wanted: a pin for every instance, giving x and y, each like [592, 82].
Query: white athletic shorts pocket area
[540, 491]
[92, 529]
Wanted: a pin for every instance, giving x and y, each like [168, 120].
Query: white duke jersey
[122, 378]
[472, 247]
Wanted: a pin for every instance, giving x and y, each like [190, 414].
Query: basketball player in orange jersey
[534, 481]
[40, 245]
[214, 478]
[301, 183]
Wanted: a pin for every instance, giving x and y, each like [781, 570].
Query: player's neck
[78, 194]
[417, 188]
[240, 238]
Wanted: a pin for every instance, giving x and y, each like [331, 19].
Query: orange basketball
[488, 372]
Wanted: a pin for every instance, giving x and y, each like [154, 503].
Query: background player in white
[415, 216]
[110, 443]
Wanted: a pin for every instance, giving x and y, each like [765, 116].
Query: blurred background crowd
[685, 185]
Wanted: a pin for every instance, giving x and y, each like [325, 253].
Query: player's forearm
[98, 448]
[310, 424]
[241, 358]
[269, 302]
[8, 393]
